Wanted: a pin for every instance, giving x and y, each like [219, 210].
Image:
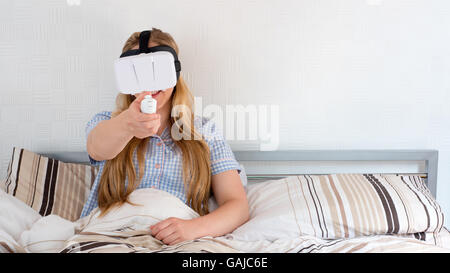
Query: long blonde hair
[195, 151]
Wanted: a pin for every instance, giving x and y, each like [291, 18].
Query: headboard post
[431, 165]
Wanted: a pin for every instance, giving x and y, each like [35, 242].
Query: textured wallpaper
[345, 74]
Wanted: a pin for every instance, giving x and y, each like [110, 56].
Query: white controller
[148, 105]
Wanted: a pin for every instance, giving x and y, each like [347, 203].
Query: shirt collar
[164, 135]
[166, 138]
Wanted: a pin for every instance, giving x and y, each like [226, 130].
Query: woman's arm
[233, 208]
[232, 212]
[109, 137]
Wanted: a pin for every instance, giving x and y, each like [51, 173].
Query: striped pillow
[340, 206]
[47, 185]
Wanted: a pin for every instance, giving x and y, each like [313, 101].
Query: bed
[381, 201]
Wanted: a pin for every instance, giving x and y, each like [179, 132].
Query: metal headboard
[269, 160]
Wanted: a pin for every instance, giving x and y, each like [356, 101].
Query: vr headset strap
[143, 41]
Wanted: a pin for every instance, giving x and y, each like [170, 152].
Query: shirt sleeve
[105, 115]
[222, 157]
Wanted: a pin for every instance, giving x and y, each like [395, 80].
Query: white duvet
[23, 230]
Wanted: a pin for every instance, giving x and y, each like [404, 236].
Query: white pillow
[15, 215]
[47, 235]
[269, 213]
[8, 244]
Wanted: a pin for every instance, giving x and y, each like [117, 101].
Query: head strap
[144, 37]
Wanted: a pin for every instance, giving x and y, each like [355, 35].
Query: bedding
[54, 187]
[15, 216]
[47, 185]
[126, 229]
[338, 206]
[363, 244]
[123, 229]
[42, 198]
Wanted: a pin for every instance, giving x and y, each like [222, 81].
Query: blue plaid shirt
[163, 161]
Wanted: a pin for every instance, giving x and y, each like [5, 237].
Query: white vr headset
[147, 68]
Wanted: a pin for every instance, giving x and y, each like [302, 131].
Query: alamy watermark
[73, 2]
[240, 123]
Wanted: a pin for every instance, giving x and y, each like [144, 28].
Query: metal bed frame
[272, 164]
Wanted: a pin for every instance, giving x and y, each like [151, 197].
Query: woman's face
[162, 97]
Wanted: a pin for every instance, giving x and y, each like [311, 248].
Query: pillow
[47, 185]
[15, 216]
[339, 206]
[48, 234]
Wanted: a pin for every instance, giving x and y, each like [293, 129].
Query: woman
[137, 150]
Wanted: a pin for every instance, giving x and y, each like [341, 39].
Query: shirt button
[159, 143]
[157, 165]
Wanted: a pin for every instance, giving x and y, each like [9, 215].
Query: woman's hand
[174, 230]
[139, 124]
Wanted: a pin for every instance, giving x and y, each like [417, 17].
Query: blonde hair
[195, 151]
